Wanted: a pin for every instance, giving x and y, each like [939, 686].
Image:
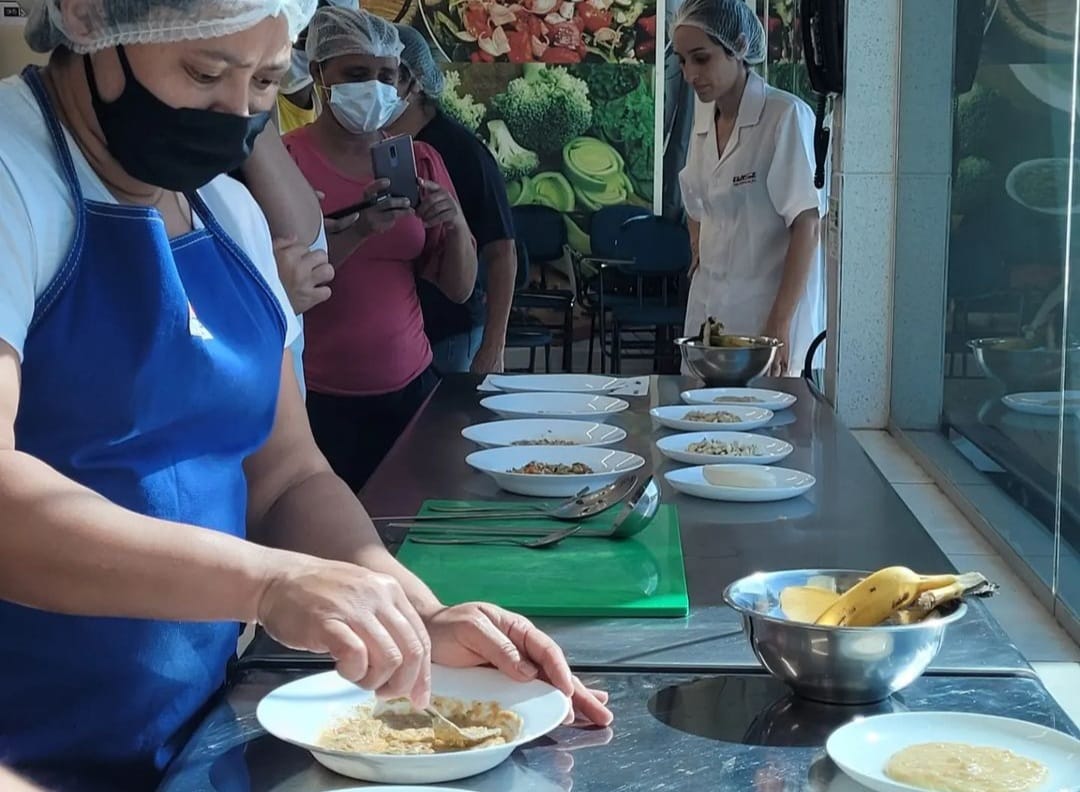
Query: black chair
[604, 228]
[657, 250]
[541, 232]
[522, 330]
[808, 371]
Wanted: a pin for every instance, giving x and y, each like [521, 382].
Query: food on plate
[544, 31]
[737, 400]
[1045, 184]
[724, 476]
[897, 592]
[394, 727]
[806, 603]
[545, 441]
[959, 767]
[535, 468]
[711, 416]
[723, 448]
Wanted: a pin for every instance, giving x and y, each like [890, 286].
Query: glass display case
[989, 244]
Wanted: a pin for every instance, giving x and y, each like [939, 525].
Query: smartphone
[358, 207]
[392, 159]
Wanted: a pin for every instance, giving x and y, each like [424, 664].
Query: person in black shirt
[472, 336]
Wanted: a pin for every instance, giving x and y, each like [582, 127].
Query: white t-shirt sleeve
[244, 222]
[18, 264]
[791, 173]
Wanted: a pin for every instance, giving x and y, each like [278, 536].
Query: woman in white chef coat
[748, 187]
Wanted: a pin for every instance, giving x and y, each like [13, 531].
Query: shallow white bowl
[583, 406]
[766, 399]
[495, 434]
[607, 463]
[769, 450]
[555, 383]
[784, 484]
[301, 710]
[862, 747]
[674, 417]
[1046, 403]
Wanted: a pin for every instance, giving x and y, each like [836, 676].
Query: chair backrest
[655, 245]
[604, 228]
[542, 231]
[521, 278]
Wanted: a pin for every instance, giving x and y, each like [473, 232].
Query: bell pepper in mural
[545, 108]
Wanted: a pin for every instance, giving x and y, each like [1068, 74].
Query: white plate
[555, 383]
[779, 484]
[766, 399]
[862, 748]
[507, 433]
[1042, 403]
[673, 417]
[300, 711]
[768, 450]
[1015, 174]
[555, 405]
[607, 464]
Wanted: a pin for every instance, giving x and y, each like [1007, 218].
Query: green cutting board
[640, 576]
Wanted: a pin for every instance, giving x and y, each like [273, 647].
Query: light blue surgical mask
[365, 107]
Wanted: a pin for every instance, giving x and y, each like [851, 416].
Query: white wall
[14, 54]
[864, 190]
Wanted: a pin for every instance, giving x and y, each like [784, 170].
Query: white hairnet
[107, 23]
[416, 56]
[344, 31]
[731, 22]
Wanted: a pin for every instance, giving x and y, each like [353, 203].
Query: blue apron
[151, 370]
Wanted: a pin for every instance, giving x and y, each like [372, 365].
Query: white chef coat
[745, 202]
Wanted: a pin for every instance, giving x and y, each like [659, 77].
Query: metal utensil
[721, 366]
[583, 505]
[533, 544]
[635, 516]
[448, 732]
[837, 665]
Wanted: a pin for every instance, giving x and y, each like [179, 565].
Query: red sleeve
[430, 166]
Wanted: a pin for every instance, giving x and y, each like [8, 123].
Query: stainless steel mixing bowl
[1024, 365]
[837, 665]
[725, 366]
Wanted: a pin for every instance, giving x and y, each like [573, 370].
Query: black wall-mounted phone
[822, 25]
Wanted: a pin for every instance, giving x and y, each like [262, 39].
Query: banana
[875, 598]
[806, 603]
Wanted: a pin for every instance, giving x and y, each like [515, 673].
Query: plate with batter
[955, 752]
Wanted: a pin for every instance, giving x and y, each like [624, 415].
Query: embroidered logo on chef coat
[197, 328]
[744, 179]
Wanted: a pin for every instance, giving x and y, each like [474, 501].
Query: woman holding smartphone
[368, 360]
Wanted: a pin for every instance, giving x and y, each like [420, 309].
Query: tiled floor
[1053, 654]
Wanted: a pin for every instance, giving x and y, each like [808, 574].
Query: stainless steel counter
[852, 518]
[672, 732]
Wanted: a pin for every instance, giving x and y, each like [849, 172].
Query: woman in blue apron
[158, 479]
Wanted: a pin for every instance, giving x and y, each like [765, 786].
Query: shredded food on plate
[546, 441]
[712, 416]
[394, 727]
[723, 448]
[736, 400]
[535, 468]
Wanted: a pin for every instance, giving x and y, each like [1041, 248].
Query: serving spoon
[584, 504]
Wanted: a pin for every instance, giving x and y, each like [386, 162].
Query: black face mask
[176, 148]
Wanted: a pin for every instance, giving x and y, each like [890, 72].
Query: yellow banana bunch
[877, 597]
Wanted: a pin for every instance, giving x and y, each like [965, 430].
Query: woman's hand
[478, 633]
[438, 206]
[305, 274]
[779, 329]
[362, 619]
[375, 219]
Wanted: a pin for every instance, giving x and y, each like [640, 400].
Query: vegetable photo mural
[574, 138]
